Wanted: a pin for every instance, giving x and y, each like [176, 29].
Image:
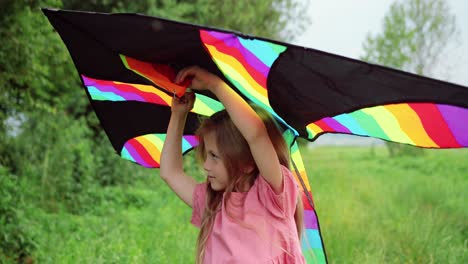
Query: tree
[415, 32]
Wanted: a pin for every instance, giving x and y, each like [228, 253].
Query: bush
[15, 242]
[66, 162]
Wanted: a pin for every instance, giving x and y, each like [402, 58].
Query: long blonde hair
[236, 157]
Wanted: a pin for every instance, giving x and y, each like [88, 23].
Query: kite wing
[126, 63]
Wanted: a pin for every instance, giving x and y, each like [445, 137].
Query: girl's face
[214, 166]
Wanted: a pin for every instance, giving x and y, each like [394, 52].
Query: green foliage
[35, 66]
[142, 224]
[15, 242]
[66, 161]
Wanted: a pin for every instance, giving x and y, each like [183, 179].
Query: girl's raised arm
[245, 119]
[171, 170]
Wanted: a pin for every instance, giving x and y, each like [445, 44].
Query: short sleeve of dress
[284, 203]
[198, 204]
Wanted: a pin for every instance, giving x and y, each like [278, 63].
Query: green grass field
[372, 209]
[376, 209]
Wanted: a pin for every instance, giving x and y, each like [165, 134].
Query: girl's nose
[206, 165]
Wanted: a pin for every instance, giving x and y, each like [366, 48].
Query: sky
[340, 27]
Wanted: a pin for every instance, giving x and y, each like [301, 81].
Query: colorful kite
[126, 63]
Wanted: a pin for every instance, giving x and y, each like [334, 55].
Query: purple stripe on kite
[221, 36]
[87, 81]
[136, 156]
[192, 140]
[310, 220]
[457, 120]
[127, 95]
[251, 59]
[336, 126]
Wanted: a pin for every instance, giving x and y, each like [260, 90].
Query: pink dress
[268, 231]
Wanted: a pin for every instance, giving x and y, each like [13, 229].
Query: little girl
[248, 210]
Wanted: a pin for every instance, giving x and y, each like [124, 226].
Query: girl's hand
[202, 79]
[184, 104]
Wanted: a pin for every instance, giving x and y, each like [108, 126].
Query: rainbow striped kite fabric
[312, 244]
[426, 125]
[245, 63]
[146, 150]
[127, 62]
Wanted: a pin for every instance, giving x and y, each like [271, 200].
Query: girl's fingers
[187, 98]
[182, 74]
[178, 76]
[185, 72]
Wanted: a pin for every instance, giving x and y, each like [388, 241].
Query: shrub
[15, 243]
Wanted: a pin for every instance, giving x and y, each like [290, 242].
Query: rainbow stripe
[312, 246]
[146, 150]
[426, 125]
[102, 90]
[246, 63]
[299, 164]
[296, 161]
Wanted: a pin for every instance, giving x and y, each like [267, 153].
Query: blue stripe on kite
[311, 239]
[126, 155]
[262, 50]
[96, 94]
[350, 123]
[185, 145]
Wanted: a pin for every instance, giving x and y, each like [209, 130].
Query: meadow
[372, 209]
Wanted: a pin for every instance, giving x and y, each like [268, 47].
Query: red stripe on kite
[143, 153]
[236, 53]
[434, 124]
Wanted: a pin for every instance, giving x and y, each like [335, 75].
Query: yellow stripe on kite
[236, 66]
[313, 130]
[411, 124]
[388, 123]
[157, 141]
[150, 147]
[232, 73]
[150, 89]
[296, 156]
[201, 108]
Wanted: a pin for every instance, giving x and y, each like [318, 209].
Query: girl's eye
[213, 156]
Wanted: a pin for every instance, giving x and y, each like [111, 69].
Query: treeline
[53, 153]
